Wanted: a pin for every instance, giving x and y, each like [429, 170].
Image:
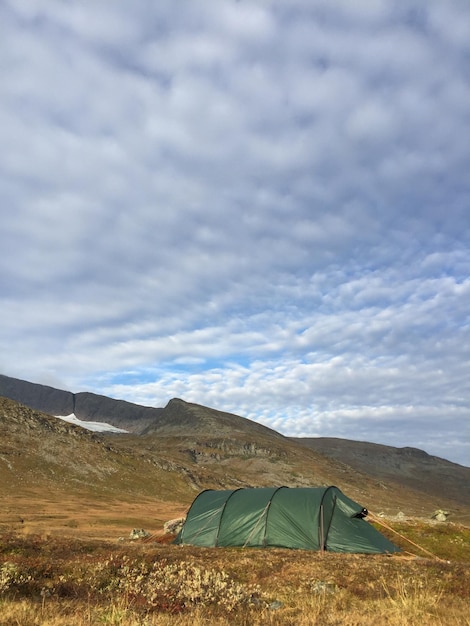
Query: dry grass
[77, 515]
[62, 581]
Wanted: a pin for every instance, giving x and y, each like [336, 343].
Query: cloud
[261, 207]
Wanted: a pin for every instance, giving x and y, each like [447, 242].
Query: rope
[379, 521]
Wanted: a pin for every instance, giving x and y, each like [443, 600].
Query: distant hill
[410, 467]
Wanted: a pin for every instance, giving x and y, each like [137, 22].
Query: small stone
[274, 606]
[320, 586]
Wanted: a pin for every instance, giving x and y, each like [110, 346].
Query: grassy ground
[77, 515]
[59, 581]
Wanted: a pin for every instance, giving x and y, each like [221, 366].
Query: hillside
[183, 448]
[57, 476]
[406, 466]
[38, 450]
[86, 406]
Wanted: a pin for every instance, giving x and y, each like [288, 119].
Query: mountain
[409, 467]
[41, 454]
[85, 406]
[171, 453]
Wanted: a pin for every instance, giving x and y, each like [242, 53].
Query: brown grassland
[65, 577]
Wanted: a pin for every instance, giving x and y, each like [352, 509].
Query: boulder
[440, 515]
[138, 533]
[173, 527]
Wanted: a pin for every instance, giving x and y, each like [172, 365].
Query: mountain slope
[409, 467]
[42, 454]
[86, 406]
[180, 417]
[41, 451]
[196, 447]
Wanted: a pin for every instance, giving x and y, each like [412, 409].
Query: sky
[259, 206]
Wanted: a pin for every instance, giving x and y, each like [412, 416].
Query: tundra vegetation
[60, 580]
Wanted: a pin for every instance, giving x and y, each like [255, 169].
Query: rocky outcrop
[215, 451]
[440, 515]
[173, 526]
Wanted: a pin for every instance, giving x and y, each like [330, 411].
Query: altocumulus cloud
[257, 206]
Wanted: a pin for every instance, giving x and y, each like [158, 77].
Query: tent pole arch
[222, 514]
[321, 540]
[191, 507]
[264, 514]
[322, 529]
[267, 512]
[216, 513]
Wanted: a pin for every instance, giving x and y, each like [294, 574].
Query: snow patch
[97, 427]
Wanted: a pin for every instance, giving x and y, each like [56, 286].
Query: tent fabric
[309, 518]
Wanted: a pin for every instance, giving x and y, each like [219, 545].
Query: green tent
[321, 518]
